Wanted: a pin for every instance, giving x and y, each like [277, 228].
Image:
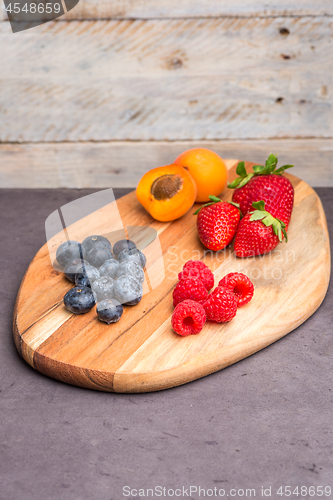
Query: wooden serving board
[141, 352]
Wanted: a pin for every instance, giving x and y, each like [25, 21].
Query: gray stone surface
[265, 421]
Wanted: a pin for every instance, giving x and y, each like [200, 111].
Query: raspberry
[199, 270]
[221, 305]
[189, 288]
[240, 285]
[188, 318]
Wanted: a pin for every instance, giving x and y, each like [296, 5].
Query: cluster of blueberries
[104, 276]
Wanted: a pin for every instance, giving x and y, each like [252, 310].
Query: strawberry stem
[215, 199]
[266, 218]
[267, 169]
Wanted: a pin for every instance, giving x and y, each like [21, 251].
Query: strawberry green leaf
[279, 233]
[275, 229]
[278, 226]
[281, 170]
[235, 183]
[243, 176]
[283, 229]
[268, 220]
[214, 198]
[259, 205]
[234, 204]
[258, 215]
[202, 206]
[245, 180]
[267, 169]
[271, 161]
[241, 170]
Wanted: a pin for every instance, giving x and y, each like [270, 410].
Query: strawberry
[217, 223]
[267, 184]
[258, 232]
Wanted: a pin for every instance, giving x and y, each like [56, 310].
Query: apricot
[167, 192]
[207, 169]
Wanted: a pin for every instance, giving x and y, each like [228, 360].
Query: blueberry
[97, 255]
[127, 290]
[109, 268]
[91, 242]
[122, 245]
[86, 276]
[109, 311]
[103, 287]
[133, 255]
[79, 300]
[69, 250]
[73, 267]
[82, 279]
[132, 268]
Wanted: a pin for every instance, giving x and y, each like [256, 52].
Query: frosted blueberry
[133, 255]
[109, 268]
[73, 267]
[132, 268]
[69, 250]
[122, 245]
[97, 255]
[91, 241]
[86, 276]
[103, 287]
[127, 290]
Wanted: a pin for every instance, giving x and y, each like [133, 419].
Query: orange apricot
[167, 192]
[207, 169]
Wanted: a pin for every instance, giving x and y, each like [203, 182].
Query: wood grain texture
[141, 353]
[178, 79]
[122, 164]
[148, 9]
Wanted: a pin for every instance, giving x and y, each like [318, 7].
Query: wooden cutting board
[141, 352]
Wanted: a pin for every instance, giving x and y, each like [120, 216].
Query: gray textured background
[266, 420]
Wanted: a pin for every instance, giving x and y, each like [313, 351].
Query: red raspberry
[221, 305]
[188, 318]
[189, 288]
[198, 269]
[240, 285]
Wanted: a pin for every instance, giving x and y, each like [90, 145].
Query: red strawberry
[258, 232]
[267, 184]
[217, 223]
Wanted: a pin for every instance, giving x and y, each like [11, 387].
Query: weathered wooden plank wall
[154, 9]
[168, 80]
[121, 164]
[250, 77]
